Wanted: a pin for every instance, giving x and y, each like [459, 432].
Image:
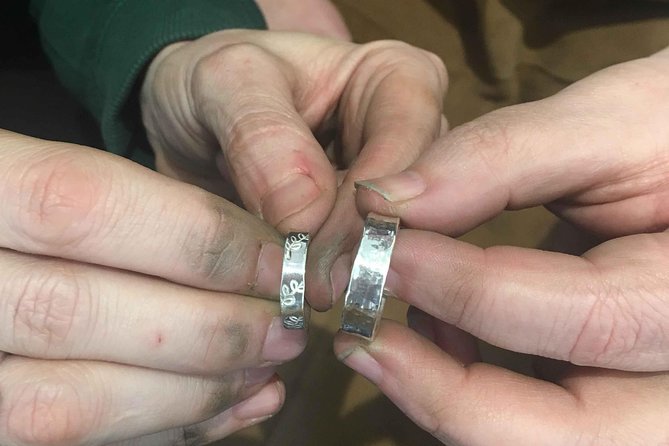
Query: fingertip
[371, 198]
[340, 275]
[266, 403]
[359, 359]
[318, 284]
[394, 348]
[263, 405]
[396, 188]
[344, 344]
[393, 341]
[283, 344]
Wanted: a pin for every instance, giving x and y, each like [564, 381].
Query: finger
[606, 309]
[459, 344]
[387, 122]
[67, 201]
[249, 412]
[474, 405]
[80, 402]
[63, 310]
[278, 167]
[593, 142]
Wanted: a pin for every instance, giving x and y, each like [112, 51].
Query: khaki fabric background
[497, 53]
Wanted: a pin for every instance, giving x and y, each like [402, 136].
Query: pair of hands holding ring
[119, 278]
[593, 154]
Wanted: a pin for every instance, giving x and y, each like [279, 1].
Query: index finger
[387, 121]
[71, 202]
[605, 309]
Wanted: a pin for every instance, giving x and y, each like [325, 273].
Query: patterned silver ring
[365, 296]
[294, 308]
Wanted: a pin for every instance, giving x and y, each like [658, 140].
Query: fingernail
[282, 344]
[362, 362]
[421, 323]
[268, 276]
[339, 276]
[399, 187]
[290, 197]
[264, 403]
[260, 375]
[392, 281]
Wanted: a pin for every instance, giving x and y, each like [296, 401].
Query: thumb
[591, 143]
[475, 404]
[279, 169]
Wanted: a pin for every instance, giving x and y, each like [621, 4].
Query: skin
[132, 310]
[124, 319]
[249, 113]
[119, 283]
[596, 155]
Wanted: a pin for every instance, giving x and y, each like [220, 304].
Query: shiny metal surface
[294, 308]
[363, 305]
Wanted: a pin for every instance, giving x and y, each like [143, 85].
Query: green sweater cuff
[101, 48]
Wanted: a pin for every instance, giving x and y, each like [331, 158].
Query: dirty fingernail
[282, 344]
[262, 404]
[362, 362]
[399, 187]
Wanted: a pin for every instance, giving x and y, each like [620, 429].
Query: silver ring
[365, 296]
[294, 309]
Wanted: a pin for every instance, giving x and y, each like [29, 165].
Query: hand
[249, 108]
[597, 155]
[475, 404]
[318, 17]
[120, 314]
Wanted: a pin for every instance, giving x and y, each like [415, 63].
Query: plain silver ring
[365, 295]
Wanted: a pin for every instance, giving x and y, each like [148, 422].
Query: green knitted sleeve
[100, 49]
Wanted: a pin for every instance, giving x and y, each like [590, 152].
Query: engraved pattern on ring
[294, 309]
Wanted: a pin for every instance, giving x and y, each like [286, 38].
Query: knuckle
[609, 333]
[213, 70]
[487, 142]
[222, 344]
[212, 251]
[50, 412]
[223, 393]
[253, 128]
[56, 197]
[388, 56]
[236, 54]
[47, 305]
[191, 436]
[439, 68]
[488, 138]
[389, 49]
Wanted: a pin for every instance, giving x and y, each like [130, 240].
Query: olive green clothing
[100, 49]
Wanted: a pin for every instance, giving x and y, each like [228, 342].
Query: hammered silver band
[365, 297]
[294, 308]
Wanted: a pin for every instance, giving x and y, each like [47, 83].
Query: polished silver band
[294, 308]
[365, 297]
